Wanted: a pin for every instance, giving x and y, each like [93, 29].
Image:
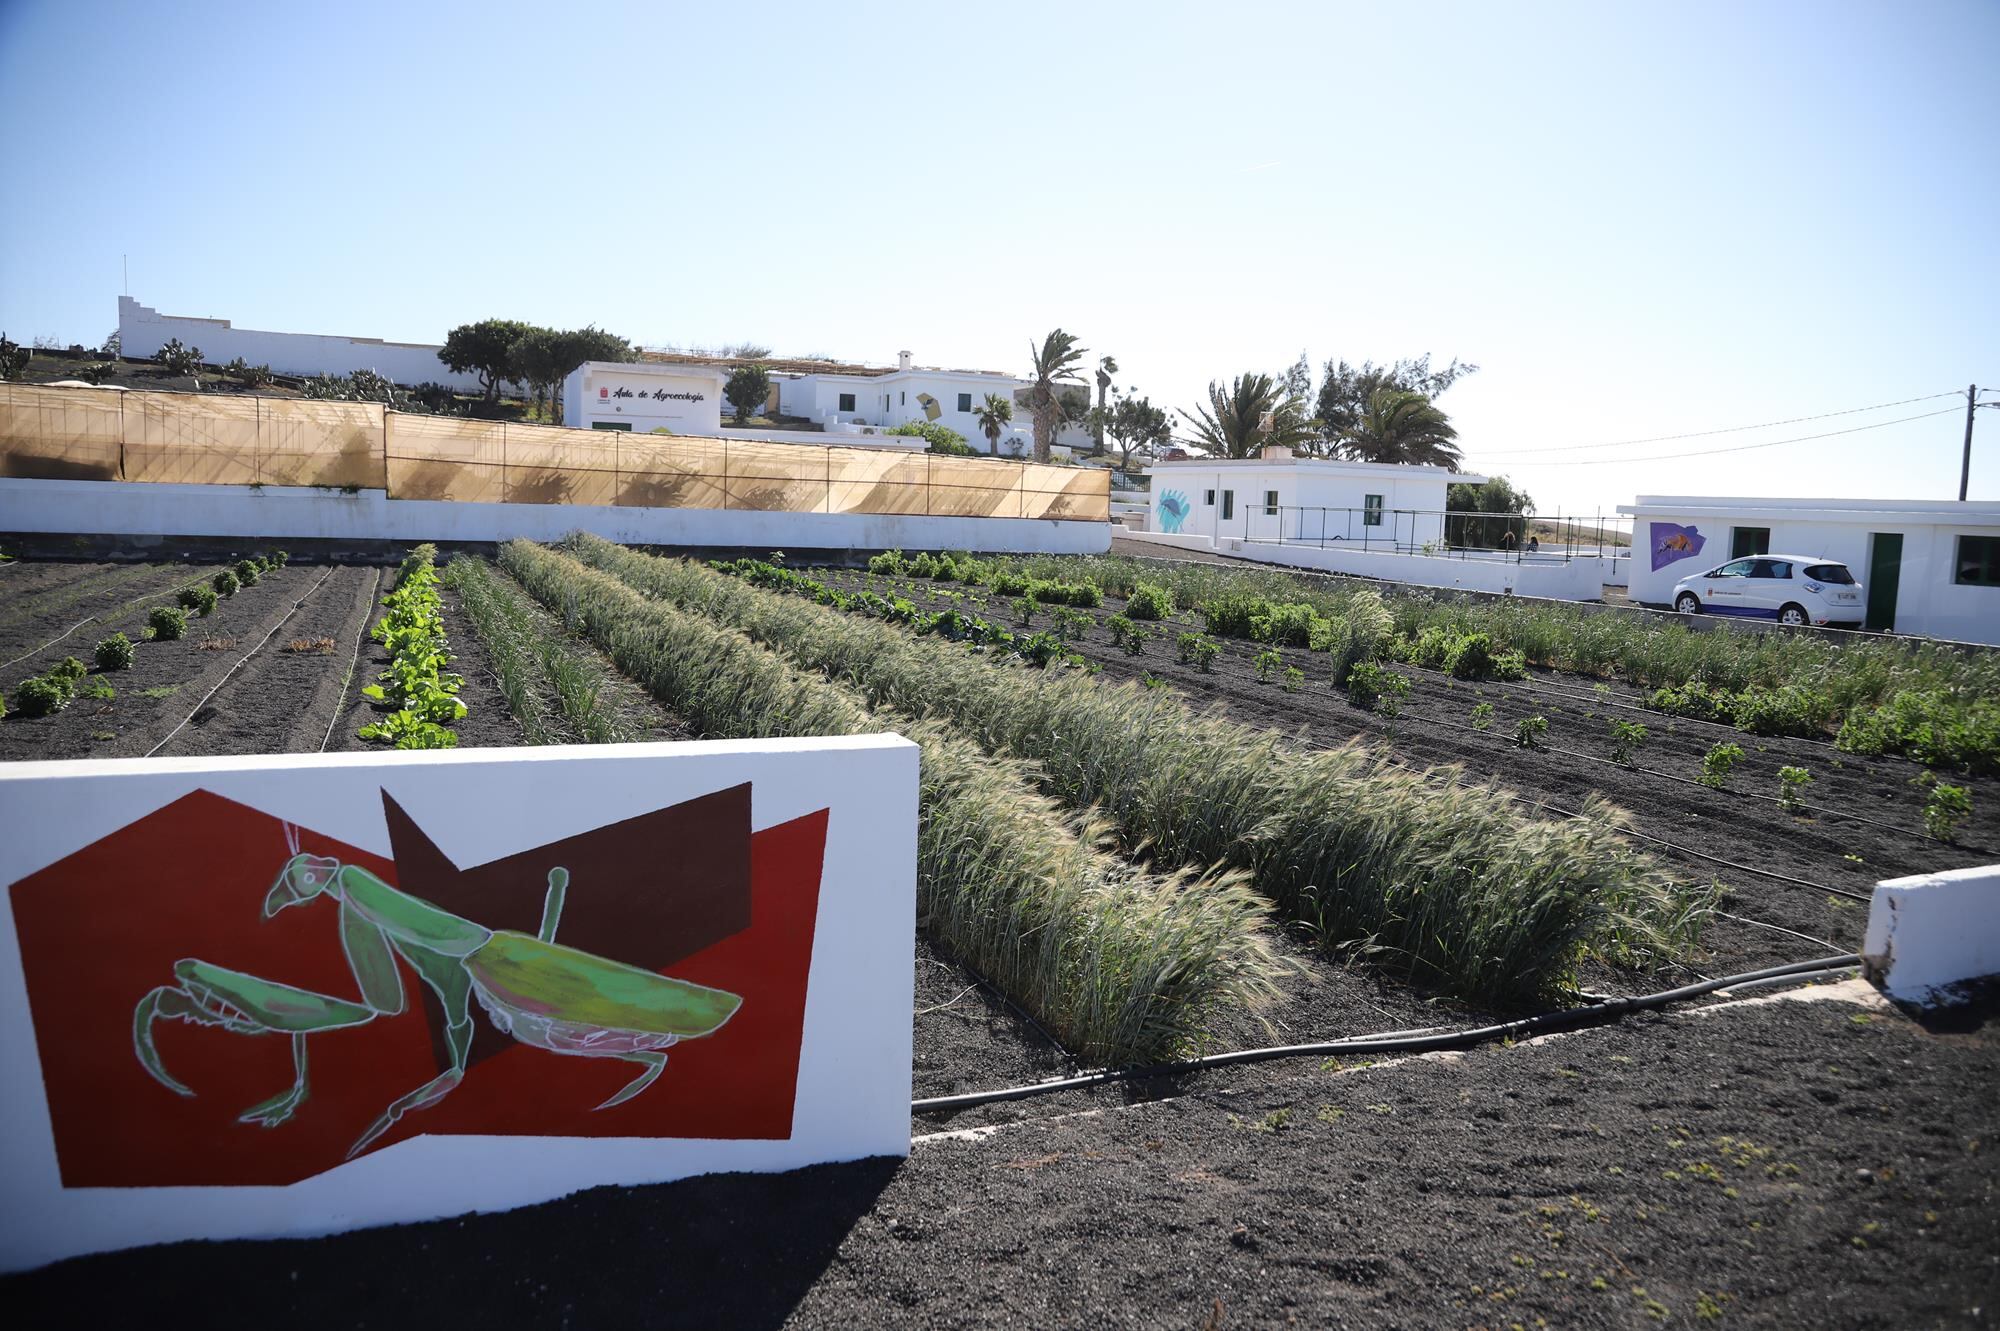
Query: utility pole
[1965, 465]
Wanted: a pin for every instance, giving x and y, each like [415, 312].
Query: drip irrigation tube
[1595, 1014]
[354, 659]
[230, 674]
[101, 615]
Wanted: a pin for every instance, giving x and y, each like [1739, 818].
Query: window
[612, 425]
[1770, 568]
[847, 402]
[1735, 569]
[1836, 574]
[902, 398]
[1270, 503]
[1371, 511]
[1228, 505]
[965, 402]
[1210, 501]
[1978, 562]
[1749, 541]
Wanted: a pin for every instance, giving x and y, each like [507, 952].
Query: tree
[1481, 515]
[543, 358]
[748, 389]
[1347, 389]
[1106, 367]
[486, 349]
[1054, 364]
[1135, 423]
[14, 358]
[994, 416]
[1405, 428]
[1249, 416]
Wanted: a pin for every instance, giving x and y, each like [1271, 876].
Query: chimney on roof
[903, 361]
[1277, 453]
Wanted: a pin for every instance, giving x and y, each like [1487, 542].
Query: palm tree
[1253, 413]
[1054, 363]
[1405, 428]
[994, 417]
[1106, 367]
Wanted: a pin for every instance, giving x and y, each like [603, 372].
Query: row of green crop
[1120, 965]
[415, 683]
[553, 687]
[1447, 882]
[1936, 703]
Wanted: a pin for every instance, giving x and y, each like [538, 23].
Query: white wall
[645, 395]
[1932, 934]
[1581, 579]
[138, 509]
[817, 398]
[853, 1073]
[1309, 486]
[142, 331]
[1928, 600]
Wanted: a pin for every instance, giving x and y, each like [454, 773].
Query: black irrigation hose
[1596, 1014]
[231, 672]
[105, 614]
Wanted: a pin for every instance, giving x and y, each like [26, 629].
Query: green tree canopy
[748, 389]
[994, 416]
[543, 357]
[1053, 364]
[1500, 509]
[1135, 423]
[1405, 428]
[937, 436]
[486, 349]
[1253, 413]
[1346, 390]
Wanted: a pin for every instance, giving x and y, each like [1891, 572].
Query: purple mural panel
[1670, 542]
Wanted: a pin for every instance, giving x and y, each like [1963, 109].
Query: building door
[1745, 541]
[1885, 570]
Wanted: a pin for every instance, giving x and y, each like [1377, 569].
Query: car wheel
[1688, 603]
[1793, 615]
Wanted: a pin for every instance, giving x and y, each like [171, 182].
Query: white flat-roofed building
[1282, 498]
[644, 396]
[1930, 567]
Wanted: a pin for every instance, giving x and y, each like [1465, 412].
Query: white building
[851, 397]
[1311, 501]
[142, 331]
[1927, 566]
[644, 396]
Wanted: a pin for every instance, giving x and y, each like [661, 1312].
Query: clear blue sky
[1639, 219]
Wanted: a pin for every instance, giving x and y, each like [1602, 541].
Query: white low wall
[137, 509]
[1581, 579]
[142, 331]
[1930, 933]
[776, 935]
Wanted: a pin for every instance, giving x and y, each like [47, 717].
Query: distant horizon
[1646, 224]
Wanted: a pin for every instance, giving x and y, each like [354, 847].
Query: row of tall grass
[554, 687]
[1120, 965]
[1443, 881]
[1946, 697]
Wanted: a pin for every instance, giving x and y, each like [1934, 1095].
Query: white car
[1792, 589]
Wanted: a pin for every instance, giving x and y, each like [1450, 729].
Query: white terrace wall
[770, 1028]
[305, 512]
[142, 331]
[1580, 579]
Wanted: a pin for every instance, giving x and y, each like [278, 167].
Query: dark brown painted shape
[648, 891]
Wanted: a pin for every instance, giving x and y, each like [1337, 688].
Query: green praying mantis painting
[543, 994]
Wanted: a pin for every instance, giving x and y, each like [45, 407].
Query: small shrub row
[51, 691]
[955, 566]
[424, 698]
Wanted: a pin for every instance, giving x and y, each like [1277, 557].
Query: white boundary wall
[853, 1090]
[138, 509]
[142, 331]
[1930, 932]
[1581, 579]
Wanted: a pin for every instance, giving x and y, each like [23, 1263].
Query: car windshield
[1834, 573]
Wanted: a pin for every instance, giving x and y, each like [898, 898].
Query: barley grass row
[1121, 966]
[1446, 882]
[554, 688]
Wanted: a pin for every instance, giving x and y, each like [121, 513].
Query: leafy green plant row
[1942, 702]
[424, 697]
[954, 566]
[1121, 966]
[1419, 874]
[554, 687]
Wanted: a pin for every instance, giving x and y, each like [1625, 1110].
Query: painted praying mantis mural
[542, 993]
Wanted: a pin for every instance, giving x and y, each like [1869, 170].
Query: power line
[1738, 429]
[1739, 448]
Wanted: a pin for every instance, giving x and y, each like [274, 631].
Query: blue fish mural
[1174, 508]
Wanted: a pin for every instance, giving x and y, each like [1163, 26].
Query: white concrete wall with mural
[644, 396]
[1580, 578]
[1305, 500]
[148, 994]
[304, 512]
[1938, 559]
[142, 331]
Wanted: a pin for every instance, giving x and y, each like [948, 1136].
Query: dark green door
[1746, 541]
[1885, 568]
